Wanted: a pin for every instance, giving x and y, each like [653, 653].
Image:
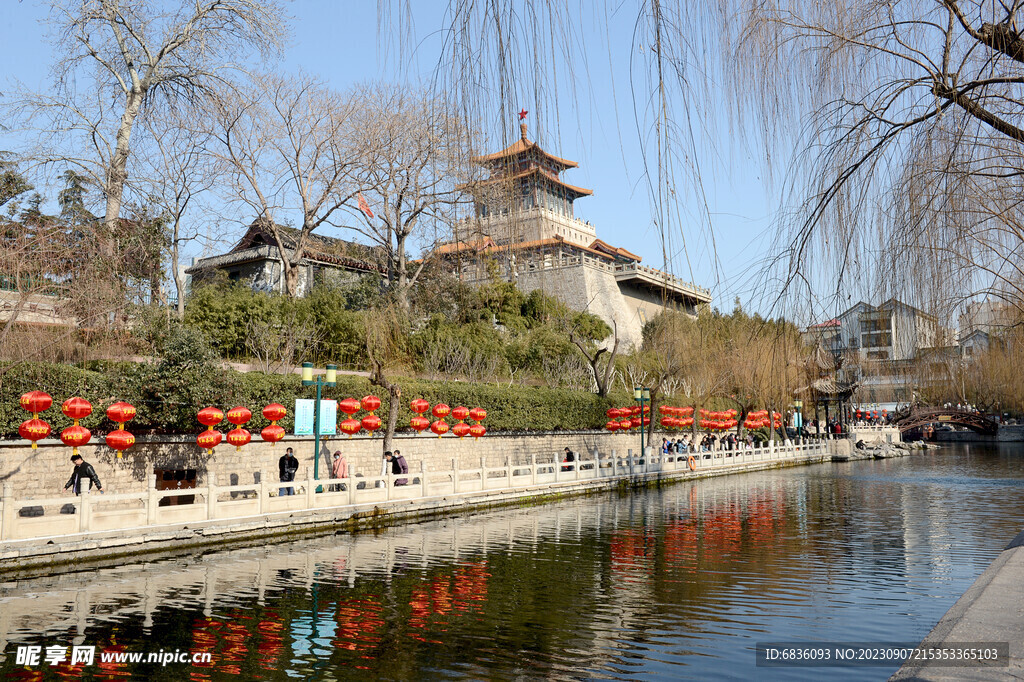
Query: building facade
[256, 261]
[524, 229]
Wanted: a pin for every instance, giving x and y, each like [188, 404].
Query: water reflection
[654, 585]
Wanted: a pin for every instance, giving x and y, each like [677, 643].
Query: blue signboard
[304, 417]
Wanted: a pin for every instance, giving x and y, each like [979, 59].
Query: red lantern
[478, 414]
[419, 423]
[350, 426]
[441, 411]
[635, 422]
[36, 402]
[477, 430]
[120, 440]
[121, 412]
[612, 426]
[419, 406]
[371, 423]
[272, 434]
[238, 416]
[75, 436]
[612, 413]
[274, 412]
[349, 406]
[33, 430]
[239, 437]
[625, 424]
[461, 429]
[76, 408]
[460, 413]
[439, 427]
[209, 439]
[370, 403]
[210, 416]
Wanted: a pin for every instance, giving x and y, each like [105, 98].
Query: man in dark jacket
[287, 466]
[82, 470]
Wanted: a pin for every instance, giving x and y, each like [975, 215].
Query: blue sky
[590, 119]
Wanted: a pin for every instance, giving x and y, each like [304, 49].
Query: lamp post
[642, 395]
[330, 378]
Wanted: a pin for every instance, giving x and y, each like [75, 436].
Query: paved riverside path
[28, 544]
[991, 610]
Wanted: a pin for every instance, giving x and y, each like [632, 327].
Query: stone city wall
[42, 472]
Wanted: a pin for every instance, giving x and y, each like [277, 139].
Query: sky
[587, 117]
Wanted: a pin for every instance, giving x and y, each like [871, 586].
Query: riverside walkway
[991, 611]
[104, 527]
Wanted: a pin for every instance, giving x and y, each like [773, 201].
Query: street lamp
[642, 395]
[330, 378]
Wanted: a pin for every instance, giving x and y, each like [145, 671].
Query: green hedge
[167, 401]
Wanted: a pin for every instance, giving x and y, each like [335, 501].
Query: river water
[674, 583]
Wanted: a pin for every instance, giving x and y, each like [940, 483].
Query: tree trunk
[377, 378]
[117, 172]
[291, 277]
[402, 290]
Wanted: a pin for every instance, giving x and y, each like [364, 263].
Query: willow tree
[892, 129]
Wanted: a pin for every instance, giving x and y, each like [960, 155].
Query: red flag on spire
[364, 207]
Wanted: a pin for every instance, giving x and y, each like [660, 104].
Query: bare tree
[602, 375]
[282, 344]
[121, 58]
[174, 176]
[414, 152]
[287, 145]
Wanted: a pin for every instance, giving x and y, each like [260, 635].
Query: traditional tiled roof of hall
[521, 146]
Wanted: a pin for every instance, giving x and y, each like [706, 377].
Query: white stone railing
[20, 519]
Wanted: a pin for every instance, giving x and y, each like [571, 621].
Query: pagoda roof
[554, 179]
[521, 146]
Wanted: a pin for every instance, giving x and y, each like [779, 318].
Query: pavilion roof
[522, 146]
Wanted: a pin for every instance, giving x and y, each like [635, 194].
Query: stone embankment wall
[43, 472]
[1006, 434]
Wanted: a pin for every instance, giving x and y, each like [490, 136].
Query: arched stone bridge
[922, 415]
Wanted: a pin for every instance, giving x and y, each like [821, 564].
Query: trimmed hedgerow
[168, 396]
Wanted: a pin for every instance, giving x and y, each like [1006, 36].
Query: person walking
[287, 466]
[82, 470]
